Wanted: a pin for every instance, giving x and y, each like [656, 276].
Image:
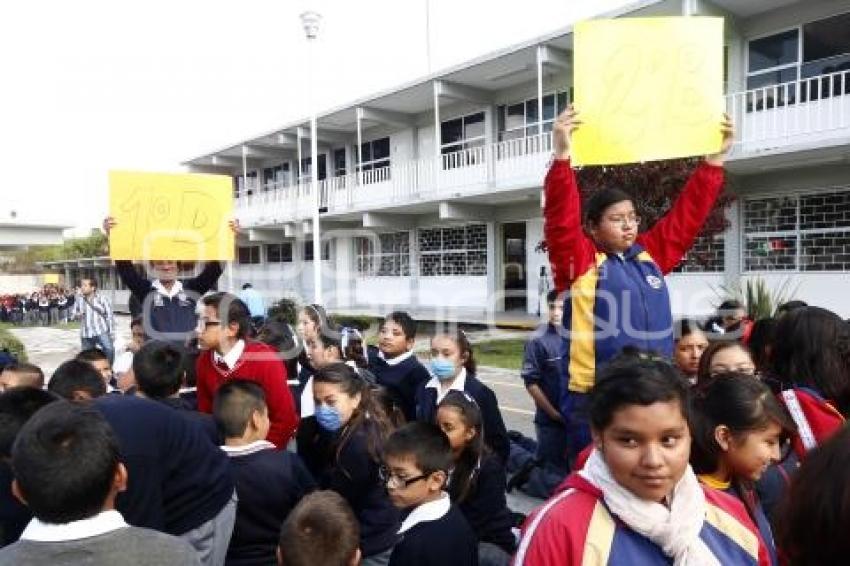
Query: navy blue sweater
[202, 420]
[354, 475]
[544, 364]
[486, 508]
[14, 515]
[495, 433]
[447, 541]
[269, 484]
[175, 314]
[178, 479]
[401, 380]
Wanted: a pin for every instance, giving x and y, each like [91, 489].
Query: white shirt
[457, 385]
[396, 360]
[308, 403]
[102, 523]
[430, 511]
[251, 448]
[231, 357]
[175, 290]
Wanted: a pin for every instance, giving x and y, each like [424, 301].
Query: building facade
[430, 193]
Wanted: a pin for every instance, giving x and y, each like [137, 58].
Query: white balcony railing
[809, 111]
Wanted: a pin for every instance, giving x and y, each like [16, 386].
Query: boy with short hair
[322, 529]
[76, 380]
[21, 374]
[269, 482]
[99, 361]
[417, 459]
[394, 365]
[68, 471]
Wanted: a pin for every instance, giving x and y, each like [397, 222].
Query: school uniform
[486, 508]
[14, 515]
[269, 483]
[353, 473]
[400, 376]
[751, 503]
[430, 394]
[435, 534]
[202, 420]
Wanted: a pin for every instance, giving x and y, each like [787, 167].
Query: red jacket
[258, 363]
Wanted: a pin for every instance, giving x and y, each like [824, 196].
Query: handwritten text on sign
[647, 89]
[170, 216]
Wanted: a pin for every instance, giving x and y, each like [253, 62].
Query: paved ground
[49, 347]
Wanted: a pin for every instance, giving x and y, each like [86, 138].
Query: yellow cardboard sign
[170, 216]
[51, 278]
[647, 89]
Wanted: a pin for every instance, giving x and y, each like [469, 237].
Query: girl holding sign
[613, 276]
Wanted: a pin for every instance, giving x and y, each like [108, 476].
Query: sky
[94, 85]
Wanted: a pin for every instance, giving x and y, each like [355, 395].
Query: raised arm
[672, 236]
[206, 279]
[571, 251]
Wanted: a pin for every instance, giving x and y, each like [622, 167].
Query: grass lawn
[505, 354]
[73, 325]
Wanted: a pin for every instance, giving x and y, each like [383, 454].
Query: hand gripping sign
[647, 89]
[170, 216]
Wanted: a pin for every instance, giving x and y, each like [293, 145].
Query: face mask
[442, 368]
[328, 418]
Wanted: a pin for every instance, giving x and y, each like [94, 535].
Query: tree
[654, 187]
[27, 260]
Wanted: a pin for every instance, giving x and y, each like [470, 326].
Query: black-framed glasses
[208, 323]
[392, 481]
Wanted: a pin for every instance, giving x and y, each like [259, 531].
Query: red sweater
[258, 363]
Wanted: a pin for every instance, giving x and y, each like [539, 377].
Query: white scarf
[675, 529]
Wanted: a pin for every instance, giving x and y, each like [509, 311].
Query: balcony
[807, 113]
[488, 169]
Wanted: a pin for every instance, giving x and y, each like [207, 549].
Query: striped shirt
[95, 315]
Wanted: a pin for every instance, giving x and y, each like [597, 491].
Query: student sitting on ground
[67, 470]
[453, 366]
[99, 361]
[636, 500]
[477, 481]
[322, 530]
[269, 482]
[393, 362]
[417, 460]
[159, 369]
[75, 380]
[16, 407]
[21, 374]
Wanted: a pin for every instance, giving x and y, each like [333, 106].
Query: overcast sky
[94, 85]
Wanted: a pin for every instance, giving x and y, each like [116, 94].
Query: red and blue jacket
[576, 528]
[618, 300]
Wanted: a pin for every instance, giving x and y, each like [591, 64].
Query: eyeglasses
[392, 481]
[208, 323]
[624, 220]
[743, 369]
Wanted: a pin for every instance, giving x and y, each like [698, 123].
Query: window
[390, 259]
[806, 232]
[279, 253]
[241, 188]
[462, 133]
[276, 177]
[707, 255]
[308, 250]
[249, 255]
[453, 251]
[520, 120]
[375, 154]
[306, 162]
[339, 162]
[818, 51]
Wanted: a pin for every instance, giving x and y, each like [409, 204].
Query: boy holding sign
[613, 276]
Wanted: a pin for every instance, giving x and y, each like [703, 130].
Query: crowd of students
[49, 305]
[696, 442]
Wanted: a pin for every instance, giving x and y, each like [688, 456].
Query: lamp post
[310, 20]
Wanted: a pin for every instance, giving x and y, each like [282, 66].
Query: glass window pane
[825, 252]
[826, 38]
[366, 152]
[473, 126]
[562, 102]
[549, 107]
[451, 131]
[531, 111]
[515, 116]
[773, 51]
[381, 149]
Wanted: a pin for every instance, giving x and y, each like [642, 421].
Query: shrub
[11, 344]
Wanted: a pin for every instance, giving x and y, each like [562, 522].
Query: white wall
[826, 290]
[460, 292]
[382, 291]
[694, 294]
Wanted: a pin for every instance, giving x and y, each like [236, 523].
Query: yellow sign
[647, 89]
[170, 216]
[51, 278]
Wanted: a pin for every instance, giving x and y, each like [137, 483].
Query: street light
[310, 20]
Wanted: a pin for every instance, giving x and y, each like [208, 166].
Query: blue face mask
[328, 418]
[442, 368]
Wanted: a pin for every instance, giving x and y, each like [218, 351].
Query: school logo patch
[654, 282]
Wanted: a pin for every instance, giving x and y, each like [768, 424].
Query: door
[513, 266]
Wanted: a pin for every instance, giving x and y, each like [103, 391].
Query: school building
[430, 192]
